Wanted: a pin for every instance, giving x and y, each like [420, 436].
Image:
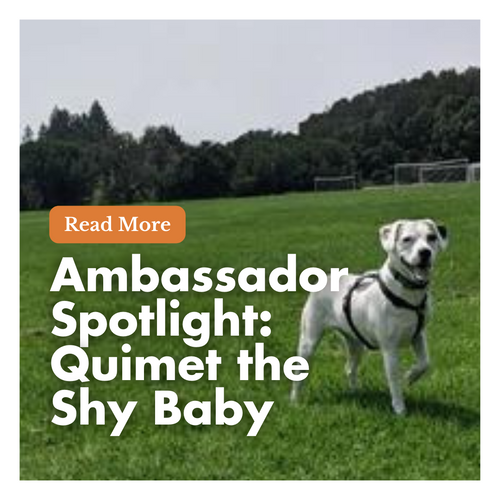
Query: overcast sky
[215, 80]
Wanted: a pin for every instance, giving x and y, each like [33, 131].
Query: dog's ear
[442, 233]
[387, 234]
[443, 236]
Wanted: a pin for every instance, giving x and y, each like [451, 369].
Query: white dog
[384, 309]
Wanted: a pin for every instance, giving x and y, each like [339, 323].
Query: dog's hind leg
[311, 331]
[354, 352]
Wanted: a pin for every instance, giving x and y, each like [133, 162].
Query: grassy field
[333, 434]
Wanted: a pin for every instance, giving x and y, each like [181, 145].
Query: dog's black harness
[395, 300]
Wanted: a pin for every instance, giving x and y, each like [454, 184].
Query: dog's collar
[407, 282]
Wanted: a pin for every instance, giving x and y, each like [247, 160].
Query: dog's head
[412, 245]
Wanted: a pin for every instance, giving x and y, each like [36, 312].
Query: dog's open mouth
[424, 266]
[419, 271]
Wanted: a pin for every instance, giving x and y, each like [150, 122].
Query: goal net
[450, 173]
[456, 170]
[342, 183]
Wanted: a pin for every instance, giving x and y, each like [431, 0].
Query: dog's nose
[424, 254]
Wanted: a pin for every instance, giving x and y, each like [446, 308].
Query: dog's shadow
[379, 401]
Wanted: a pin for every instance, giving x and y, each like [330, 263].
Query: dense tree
[28, 135]
[81, 158]
[53, 173]
[162, 149]
[203, 171]
[428, 118]
[96, 126]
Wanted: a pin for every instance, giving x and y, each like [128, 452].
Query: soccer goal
[474, 172]
[341, 183]
[456, 170]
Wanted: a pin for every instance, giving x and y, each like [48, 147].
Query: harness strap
[348, 311]
[398, 301]
[395, 300]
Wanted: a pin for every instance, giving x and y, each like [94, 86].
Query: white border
[226, 9]
[246, 9]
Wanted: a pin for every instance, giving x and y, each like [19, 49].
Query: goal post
[332, 183]
[454, 170]
[474, 172]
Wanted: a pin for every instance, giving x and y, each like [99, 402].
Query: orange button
[115, 224]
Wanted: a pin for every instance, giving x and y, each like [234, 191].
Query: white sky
[214, 80]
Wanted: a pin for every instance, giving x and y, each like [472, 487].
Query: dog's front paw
[294, 397]
[399, 409]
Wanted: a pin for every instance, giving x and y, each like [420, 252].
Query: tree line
[82, 159]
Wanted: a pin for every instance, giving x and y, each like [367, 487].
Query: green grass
[333, 434]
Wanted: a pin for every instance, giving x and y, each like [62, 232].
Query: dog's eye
[432, 238]
[407, 239]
